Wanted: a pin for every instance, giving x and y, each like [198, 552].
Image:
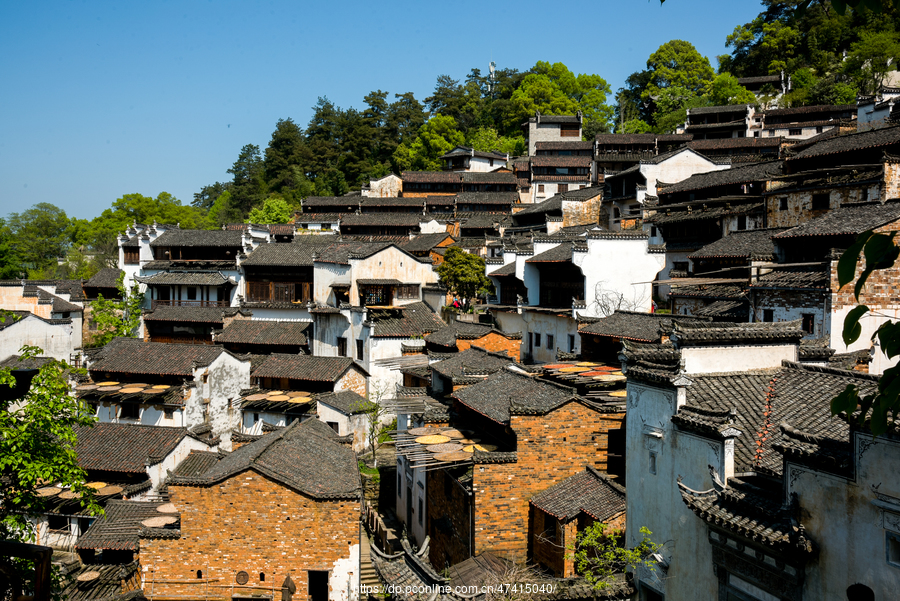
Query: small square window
[892, 548]
[809, 323]
[783, 203]
[168, 413]
[130, 411]
[550, 341]
[768, 315]
[359, 350]
[795, 131]
[571, 343]
[653, 463]
[537, 340]
[820, 202]
[421, 510]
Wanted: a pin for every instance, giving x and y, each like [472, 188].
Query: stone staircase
[368, 577]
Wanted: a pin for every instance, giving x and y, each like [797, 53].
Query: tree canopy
[462, 273]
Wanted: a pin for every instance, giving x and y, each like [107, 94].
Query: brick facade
[448, 512]
[493, 342]
[550, 448]
[553, 541]
[880, 289]
[353, 380]
[253, 524]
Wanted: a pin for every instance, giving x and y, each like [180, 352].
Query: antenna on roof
[492, 79]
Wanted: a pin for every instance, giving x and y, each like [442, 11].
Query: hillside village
[308, 410]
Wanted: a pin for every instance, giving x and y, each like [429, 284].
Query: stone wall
[550, 448]
[253, 524]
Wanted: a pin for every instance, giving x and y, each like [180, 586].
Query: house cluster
[659, 352]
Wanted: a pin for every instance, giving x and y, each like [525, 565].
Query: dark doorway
[318, 585]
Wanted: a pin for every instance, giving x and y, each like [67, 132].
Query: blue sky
[102, 99]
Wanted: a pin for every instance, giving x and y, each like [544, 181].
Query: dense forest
[832, 52]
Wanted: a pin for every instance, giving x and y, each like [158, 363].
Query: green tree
[40, 236]
[486, 139]
[599, 554]
[248, 187]
[207, 195]
[678, 64]
[37, 446]
[635, 126]
[438, 136]
[273, 210]
[118, 318]
[462, 273]
[871, 59]
[10, 265]
[672, 104]
[725, 89]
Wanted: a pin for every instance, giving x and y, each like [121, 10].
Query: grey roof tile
[589, 492]
[506, 392]
[201, 238]
[130, 355]
[276, 333]
[124, 448]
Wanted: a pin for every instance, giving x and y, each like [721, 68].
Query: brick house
[565, 509]
[459, 336]
[551, 128]
[278, 514]
[540, 434]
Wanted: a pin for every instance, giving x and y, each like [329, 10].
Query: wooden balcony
[190, 303]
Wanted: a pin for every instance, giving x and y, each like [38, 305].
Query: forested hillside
[830, 51]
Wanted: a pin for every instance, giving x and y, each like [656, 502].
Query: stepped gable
[590, 492]
[306, 456]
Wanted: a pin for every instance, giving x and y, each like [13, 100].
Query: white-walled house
[561, 278]
[181, 385]
[56, 337]
[737, 467]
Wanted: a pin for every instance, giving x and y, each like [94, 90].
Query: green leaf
[846, 401]
[880, 251]
[889, 338]
[852, 329]
[839, 6]
[847, 263]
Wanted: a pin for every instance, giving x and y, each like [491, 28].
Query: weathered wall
[217, 387]
[559, 326]
[387, 186]
[391, 263]
[257, 525]
[581, 212]
[550, 448]
[354, 379]
[56, 339]
[789, 305]
[799, 204]
[712, 359]
[448, 516]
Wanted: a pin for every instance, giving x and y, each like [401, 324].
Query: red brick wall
[880, 289]
[448, 519]
[248, 523]
[550, 448]
[493, 342]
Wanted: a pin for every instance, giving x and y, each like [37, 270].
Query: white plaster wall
[654, 501]
[150, 415]
[328, 327]
[158, 471]
[392, 263]
[301, 313]
[56, 340]
[676, 168]
[343, 581]
[432, 227]
[820, 324]
[714, 359]
[623, 265]
[842, 517]
[869, 323]
[387, 186]
[324, 274]
[356, 424]
[671, 258]
[378, 349]
[225, 377]
[249, 425]
[560, 327]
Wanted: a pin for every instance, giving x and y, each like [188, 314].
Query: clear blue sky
[101, 99]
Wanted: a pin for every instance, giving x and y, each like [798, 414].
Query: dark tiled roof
[733, 310]
[448, 335]
[297, 254]
[744, 81]
[424, 242]
[118, 528]
[124, 447]
[722, 291]
[747, 144]
[129, 355]
[196, 464]
[555, 119]
[616, 139]
[807, 110]
[694, 333]
[278, 333]
[415, 319]
[875, 138]
[793, 394]
[563, 161]
[485, 198]
[108, 277]
[378, 282]
[335, 202]
[706, 210]
[482, 220]
[16, 362]
[466, 152]
[472, 362]
[506, 392]
[755, 244]
[59, 305]
[795, 277]
[341, 252]
[188, 278]
[318, 218]
[192, 314]
[305, 456]
[303, 367]
[430, 177]
[755, 172]
[574, 145]
[557, 254]
[346, 401]
[508, 269]
[589, 491]
[709, 110]
[393, 201]
[632, 325]
[383, 218]
[107, 586]
[179, 237]
[847, 220]
[494, 177]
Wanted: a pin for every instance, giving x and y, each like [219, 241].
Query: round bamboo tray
[609, 378]
[278, 397]
[95, 485]
[48, 491]
[432, 439]
[469, 441]
[151, 391]
[87, 576]
[586, 364]
[109, 388]
[299, 400]
[486, 448]
[454, 456]
[572, 370]
[596, 372]
[107, 383]
[167, 508]
[86, 387]
[110, 490]
[453, 434]
[557, 366]
[160, 521]
[424, 431]
[619, 393]
[298, 393]
[274, 392]
[446, 447]
[256, 397]
[69, 494]
[131, 390]
[161, 387]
